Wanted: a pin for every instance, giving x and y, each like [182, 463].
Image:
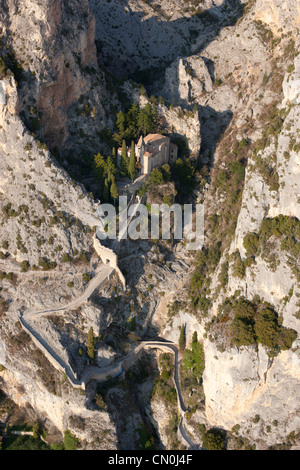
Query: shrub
[36, 431]
[3, 69]
[238, 268]
[3, 255]
[25, 266]
[156, 177]
[57, 446]
[223, 275]
[256, 419]
[206, 262]
[251, 243]
[285, 228]
[258, 323]
[100, 402]
[66, 258]
[46, 265]
[70, 441]
[214, 440]
[193, 362]
[86, 277]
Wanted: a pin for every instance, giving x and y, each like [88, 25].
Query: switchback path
[117, 368]
[94, 284]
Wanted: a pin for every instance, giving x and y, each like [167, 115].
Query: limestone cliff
[251, 68]
[62, 93]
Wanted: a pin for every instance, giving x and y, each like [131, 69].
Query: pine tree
[131, 122]
[132, 162]
[99, 166]
[121, 122]
[145, 120]
[91, 344]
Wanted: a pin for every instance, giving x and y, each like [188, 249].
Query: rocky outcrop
[139, 35]
[229, 81]
[38, 190]
[240, 384]
[61, 88]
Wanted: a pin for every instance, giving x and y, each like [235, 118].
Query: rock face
[44, 213]
[139, 35]
[239, 384]
[35, 189]
[242, 384]
[60, 68]
[228, 81]
[37, 198]
[285, 199]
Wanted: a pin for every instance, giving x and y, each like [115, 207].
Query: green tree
[166, 171]
[110, 169]
[121, 122]
[250, 242]
[36, 431]
[146, 120]
[106, 191]
[99, 166]
[194, 338]
[25, 266]
[114, 192]
[194, 361]
[156, 177]
[182, 339]
[132, 162]
[124, 160]
[70, 441]
[213, 440]
[131, 122]
[114, 155]
[242, 332]
[91, 344]
[185, 173]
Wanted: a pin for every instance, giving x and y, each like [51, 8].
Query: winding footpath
[116, 369]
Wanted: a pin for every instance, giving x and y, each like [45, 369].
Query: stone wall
[55, 361]
[108, 256]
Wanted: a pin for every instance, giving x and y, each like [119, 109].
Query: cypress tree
[195, 338]
[182, 338]
[194, 342]
[114, 191]
[124, 160]
[114, 155]
[91, 344]
[132, 162]
[110, 169]
[106, 191]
